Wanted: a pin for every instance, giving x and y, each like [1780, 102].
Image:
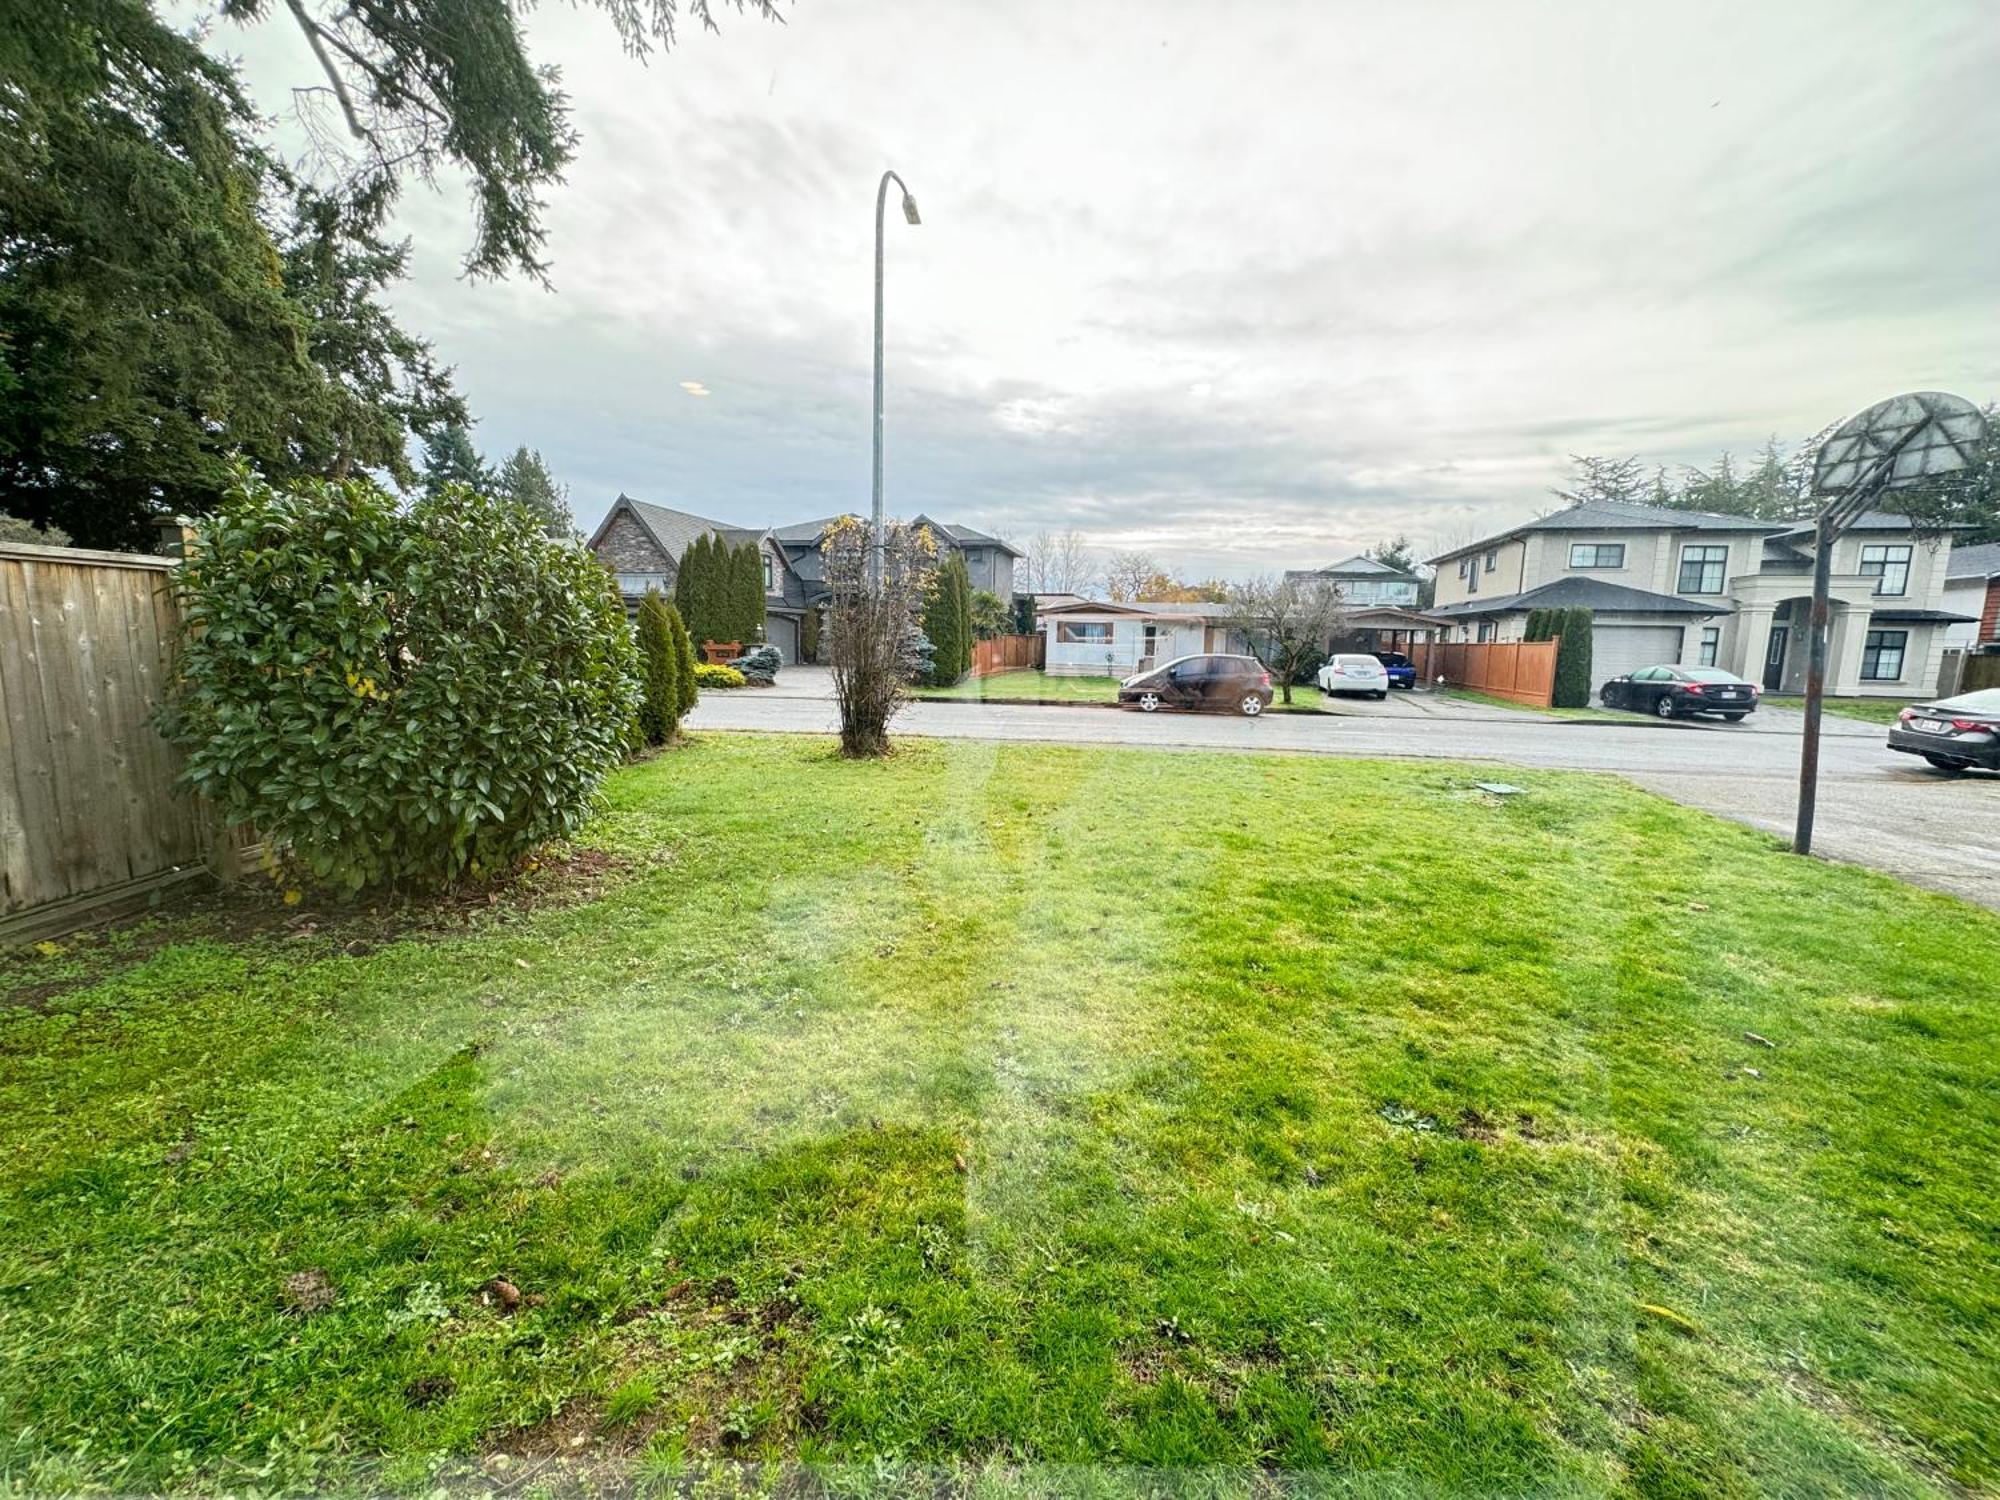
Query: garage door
[784, 634]
[1618, 649]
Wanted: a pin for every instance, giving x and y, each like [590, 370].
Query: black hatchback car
[1953, 734]
[1669, 692]
[1221, 684]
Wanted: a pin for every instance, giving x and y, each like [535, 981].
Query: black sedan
[1668, 692]
[1953, 734]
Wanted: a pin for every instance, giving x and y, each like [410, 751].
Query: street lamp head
[910, 209]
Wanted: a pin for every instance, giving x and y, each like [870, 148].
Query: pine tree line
[719, 590]
[1573, 627]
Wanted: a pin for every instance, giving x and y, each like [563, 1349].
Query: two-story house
[1675, 586]
[642, 544]
[989, 561]
[1972, 589]
[1363, 582]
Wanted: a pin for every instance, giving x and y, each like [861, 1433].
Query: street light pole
[910, 213]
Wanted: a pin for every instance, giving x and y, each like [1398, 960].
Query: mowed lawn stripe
[1014, 1104]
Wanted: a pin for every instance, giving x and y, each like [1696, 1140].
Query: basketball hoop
[1893, 445]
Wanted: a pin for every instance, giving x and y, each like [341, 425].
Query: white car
[1354, 674]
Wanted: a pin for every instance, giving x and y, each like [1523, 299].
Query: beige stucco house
[1687, 587]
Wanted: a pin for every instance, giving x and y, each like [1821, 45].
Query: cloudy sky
[1246, 286]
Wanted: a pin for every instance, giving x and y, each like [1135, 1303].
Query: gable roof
[1621, 515]
[1973, 562]
[674, 531]
[1583, 593]
[1356, 566]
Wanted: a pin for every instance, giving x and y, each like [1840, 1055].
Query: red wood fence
[1524, 671]
[1007, 653]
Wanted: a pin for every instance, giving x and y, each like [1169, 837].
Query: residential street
[1876, 807]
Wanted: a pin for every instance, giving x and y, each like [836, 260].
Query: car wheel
[1149, 703]
[1381, 695]
[1664, 706]
[1734, 718]
[1252, 705]
[1953, 766]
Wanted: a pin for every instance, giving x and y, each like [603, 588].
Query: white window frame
[1064, 627]
[1719, 563]
[770, 575]
[1888, 555]
[1595, 565]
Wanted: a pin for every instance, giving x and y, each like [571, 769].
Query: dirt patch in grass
[251, 910]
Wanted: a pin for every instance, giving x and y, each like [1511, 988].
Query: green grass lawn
[1870, 710]
[1473, 695]
[1001, 1107]
[1018, 686]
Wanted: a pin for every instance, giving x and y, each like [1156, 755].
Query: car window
[1356, 661]
[1646, 674]
[1709, 674]
[1985, 701]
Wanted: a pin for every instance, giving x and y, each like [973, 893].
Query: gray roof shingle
[1583, 593]
[1973, 562]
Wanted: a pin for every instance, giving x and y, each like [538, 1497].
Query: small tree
[1286, 622]
[948, 622]
[1572, 689]
[685, 681]
[395, 696]
[871, 629]
[659, 670]
[1537, 628]
[990, 615]
[14, 529]
[747, 593]
[809, 635]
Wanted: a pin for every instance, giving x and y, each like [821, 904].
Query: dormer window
[1597, 554]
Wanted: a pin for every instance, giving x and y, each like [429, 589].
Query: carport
[1384, 628]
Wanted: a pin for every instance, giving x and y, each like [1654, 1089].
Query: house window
[1882, 655]
[1889, 567]
[1461, 566]
[1491, 559]
[1701, 569]
[770, 575]
[1486, 630]
[1083, 632]
[638, 583]
[1711, 637]
[1597, 554]
[1472, 577]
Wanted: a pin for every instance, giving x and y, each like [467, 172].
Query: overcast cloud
[1248, 286]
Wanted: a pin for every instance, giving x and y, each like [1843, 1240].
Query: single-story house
[1099, 638]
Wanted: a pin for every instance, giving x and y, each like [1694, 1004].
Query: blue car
[1402, 671]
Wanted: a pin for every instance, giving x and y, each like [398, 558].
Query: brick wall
[1989, 617]
[625, 548]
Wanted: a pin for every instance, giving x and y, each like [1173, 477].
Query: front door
[1151, 648]
[1774, 658]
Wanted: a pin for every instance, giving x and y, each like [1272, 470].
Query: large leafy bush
[397, 696]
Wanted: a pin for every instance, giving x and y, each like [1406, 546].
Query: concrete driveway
[1876, 807]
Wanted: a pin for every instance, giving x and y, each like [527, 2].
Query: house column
[1750, 642]
[1845, 639]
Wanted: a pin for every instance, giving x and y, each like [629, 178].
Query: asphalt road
[1876, 807]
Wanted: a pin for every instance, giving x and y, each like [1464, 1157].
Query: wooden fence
[1007, 653]
[1963, 672]
[90, 814]
[1524, 671]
